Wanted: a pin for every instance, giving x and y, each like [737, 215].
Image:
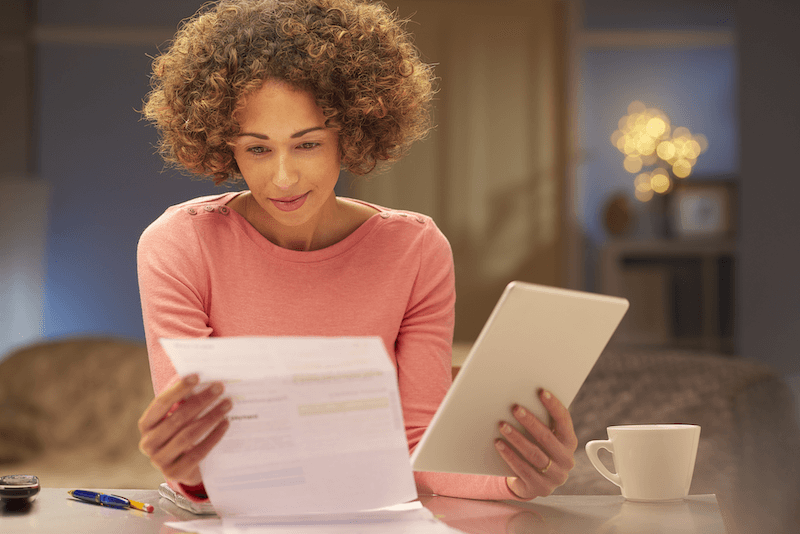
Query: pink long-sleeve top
[205, 271]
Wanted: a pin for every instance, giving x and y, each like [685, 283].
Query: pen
[144, 507]
[114, 501]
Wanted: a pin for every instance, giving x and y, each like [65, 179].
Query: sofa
[69, 408]
[69, 411]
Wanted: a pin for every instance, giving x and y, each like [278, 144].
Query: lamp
[646, 138]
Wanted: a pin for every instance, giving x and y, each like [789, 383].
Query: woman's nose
[285, 175]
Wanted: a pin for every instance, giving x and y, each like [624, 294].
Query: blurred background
[640, 148]
[524, 172]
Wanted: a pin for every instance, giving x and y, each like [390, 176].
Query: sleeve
[424, 350]
[172, 287]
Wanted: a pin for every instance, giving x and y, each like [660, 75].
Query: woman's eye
[258, 150]
[309, 145]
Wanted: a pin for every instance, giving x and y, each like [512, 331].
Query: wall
[106, 183]
[659, 15]
[769, 285]
[23, 198]
[491, 173]
[23, 231]
[15, 101]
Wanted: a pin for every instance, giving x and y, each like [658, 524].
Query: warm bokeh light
[656, 127]
[646, 145]
[636, 107]
[642, 182]
[649, 160]
[681, 131]
[666, 150]
[616, 135]
[655, 181]
[681, 168]
[660, 182]
[645, 136]
[702, 140]
[632, 164]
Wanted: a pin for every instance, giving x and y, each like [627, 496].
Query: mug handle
[592, 449]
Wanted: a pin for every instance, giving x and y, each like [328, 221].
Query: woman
[284, 94]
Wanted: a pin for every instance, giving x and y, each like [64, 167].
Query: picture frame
[702, 208]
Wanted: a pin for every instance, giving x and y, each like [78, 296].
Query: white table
[55, 511]
[581, 514]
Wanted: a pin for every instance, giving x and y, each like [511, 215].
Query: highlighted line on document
[377, 403]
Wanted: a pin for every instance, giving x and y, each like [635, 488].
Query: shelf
[681, 292]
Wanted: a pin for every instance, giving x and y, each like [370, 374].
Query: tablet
[536, 337]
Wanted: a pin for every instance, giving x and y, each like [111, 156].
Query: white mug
[653, 462]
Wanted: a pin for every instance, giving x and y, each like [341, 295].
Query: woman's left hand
[543, 464]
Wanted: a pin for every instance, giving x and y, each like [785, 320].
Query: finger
[529, 483]
[190, 408]
[564, 429]
[544, 437]
[187, 438]
[157, 436]
[162, 404]
[543, 461]
[188, 462]
[530, 452]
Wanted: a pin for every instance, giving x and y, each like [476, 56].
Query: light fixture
[647, 140]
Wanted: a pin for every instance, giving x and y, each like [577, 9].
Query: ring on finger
[545, 468]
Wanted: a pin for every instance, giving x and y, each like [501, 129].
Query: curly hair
[354, 56]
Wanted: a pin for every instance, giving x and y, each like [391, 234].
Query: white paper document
[403, 519]
[316, 425]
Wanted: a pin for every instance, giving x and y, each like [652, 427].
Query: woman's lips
[289, 203]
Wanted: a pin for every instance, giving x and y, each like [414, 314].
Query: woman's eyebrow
[295, 135]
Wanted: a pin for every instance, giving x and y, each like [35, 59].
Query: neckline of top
[300, 256]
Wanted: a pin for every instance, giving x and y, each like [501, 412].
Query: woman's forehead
[279, 106]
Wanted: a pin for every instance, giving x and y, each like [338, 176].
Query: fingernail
[226, 405]
[500, 445]
[191, 380]
[546, 395]
[520, 411]
[505, 428]
[216, 388]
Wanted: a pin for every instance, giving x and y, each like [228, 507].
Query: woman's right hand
[169, 436]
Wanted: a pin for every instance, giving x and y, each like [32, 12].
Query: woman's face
[288, 158]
